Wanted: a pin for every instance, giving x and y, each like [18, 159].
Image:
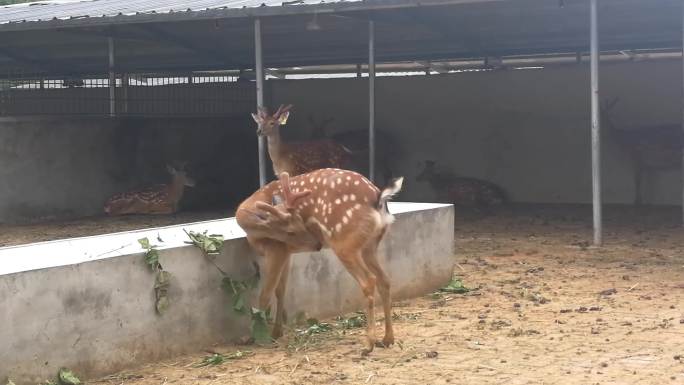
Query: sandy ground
[547, 309]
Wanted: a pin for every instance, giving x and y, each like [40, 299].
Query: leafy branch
[162, 278]
[212, 245]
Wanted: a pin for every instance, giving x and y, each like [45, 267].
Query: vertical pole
[595, 127]
[112, 78]
[124, 84]
[371, 99]
[682, 111]
[259, 67]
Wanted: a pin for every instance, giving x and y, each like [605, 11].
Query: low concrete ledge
[88, 303]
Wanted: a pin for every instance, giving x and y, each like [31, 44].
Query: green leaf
[209, 244]
[162, 280]
[9, 382]
[67, 377]
[145, 243]
[260, 331]
[152, 258]
[162, 304]
[357, 321]
[455, 286]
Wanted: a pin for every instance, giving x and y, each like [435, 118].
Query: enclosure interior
[525, 127]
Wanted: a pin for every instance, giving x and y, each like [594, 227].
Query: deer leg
[370, 256]
[280, 316]
[275, 258]
[353, 262]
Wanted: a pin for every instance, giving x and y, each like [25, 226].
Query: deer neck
[275, 148]
[176, 189]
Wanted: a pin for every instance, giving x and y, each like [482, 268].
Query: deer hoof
[366, 351]
[387, 341]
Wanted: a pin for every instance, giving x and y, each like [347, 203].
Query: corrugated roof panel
[66, 9]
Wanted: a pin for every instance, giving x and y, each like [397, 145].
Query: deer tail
[385, 195]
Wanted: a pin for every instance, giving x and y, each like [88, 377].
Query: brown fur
[339, 208]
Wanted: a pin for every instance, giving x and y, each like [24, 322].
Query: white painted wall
[527, 130]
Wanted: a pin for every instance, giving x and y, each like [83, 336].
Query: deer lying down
[336, 208]
[159, 199]
[297, 157]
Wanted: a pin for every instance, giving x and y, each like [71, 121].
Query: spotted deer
[461, 191]
[297, 157]
[158, 199]
[330, 207]
[650, 148]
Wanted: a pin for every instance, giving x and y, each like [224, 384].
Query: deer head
[279, 219]
[180, 175]
[268, 125]
[428, 171]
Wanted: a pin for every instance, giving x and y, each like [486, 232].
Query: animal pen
[96, 97]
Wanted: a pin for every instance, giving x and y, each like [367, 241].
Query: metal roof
[149, 37]
[74, 9]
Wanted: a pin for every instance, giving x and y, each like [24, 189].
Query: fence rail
[135, 95]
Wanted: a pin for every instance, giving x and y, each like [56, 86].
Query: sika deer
[158, 199]
[650, 148]
[459, 190]
[338, 208]
[297, 157]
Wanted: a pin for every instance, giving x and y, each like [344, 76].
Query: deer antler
[281, 110]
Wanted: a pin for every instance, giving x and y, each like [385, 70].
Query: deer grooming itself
[159, 199]
[297, 157]
[337, 208]
[459, 190]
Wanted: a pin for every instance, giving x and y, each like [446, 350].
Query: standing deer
[297, 157]
[459, 190]
[650, 148]
[357, 143]
[158, 199]
[336, 208]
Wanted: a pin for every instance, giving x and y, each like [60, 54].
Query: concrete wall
[527, 130]
[60, 168]
[88, 303]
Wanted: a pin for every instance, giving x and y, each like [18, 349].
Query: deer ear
[170, 169]
[282, 119]
[256, 118]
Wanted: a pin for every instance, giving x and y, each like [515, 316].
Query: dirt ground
[547, 309]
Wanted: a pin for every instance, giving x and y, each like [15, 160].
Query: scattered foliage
[260, 326]
[455, 286]
[218, 358]
[238, 289]
[209, 244]
[67, 377]
[356, 321]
